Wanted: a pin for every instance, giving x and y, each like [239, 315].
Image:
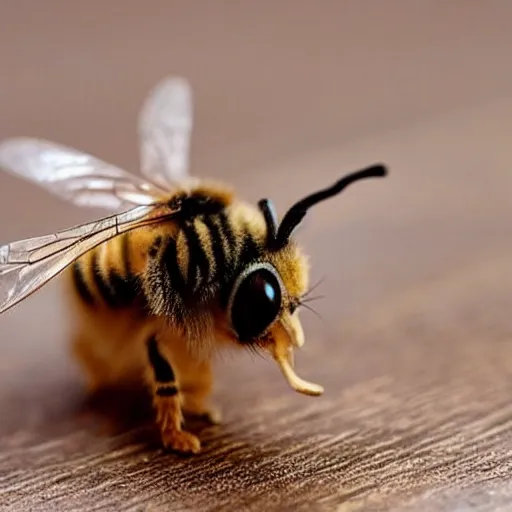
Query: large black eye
[255, 302]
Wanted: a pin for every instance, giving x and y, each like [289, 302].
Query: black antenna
[269, 212]
[296, 213]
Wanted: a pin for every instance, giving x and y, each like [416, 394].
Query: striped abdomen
[105, 276]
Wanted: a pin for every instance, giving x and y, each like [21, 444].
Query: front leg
[166, 399]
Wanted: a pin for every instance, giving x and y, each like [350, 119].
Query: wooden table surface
[414, 343]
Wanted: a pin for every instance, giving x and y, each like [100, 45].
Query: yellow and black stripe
[210, 243]
[163, 373]
[104, 275]
[201, 260]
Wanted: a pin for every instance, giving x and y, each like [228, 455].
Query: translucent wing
[165, 125]
[28, 264]
[75, 176]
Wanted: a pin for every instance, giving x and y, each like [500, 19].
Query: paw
[181, 441]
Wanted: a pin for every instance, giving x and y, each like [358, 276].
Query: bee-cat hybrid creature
[186, 268]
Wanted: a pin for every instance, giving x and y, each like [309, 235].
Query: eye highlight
[255, 301]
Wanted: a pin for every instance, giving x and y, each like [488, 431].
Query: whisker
[313, 288]
[311, 299]
[309, 308]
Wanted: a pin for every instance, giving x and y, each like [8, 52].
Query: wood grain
[414, 342]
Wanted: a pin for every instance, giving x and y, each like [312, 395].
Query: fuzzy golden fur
[110, 342]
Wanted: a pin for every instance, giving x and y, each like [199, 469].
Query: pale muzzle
[287, 334]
